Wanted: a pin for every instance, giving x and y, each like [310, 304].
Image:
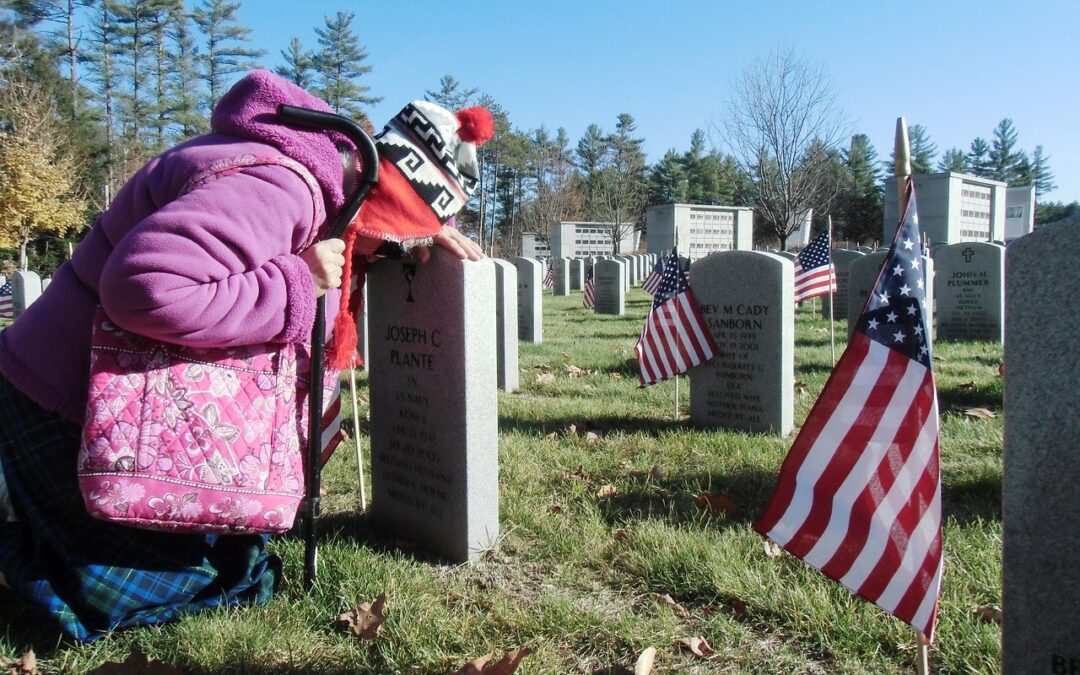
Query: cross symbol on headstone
[967, 253]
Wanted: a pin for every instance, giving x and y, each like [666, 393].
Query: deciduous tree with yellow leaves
[38, 172]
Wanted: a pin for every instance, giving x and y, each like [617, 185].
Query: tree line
[93, 88]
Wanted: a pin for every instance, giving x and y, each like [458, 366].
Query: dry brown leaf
[590, 437]
[620, 535]
[718, 505]
[365, 619]
[571, 430]
[738, 606]
[555, 508]
[565, 356]
[772, 550]
[545, 378]
[988, 614]
[966, 385]
[504, 666]
[980, 413]
[665, 599]
[607, 491]
[27, 665]
[552, 436]
[543, 368]
[800, 387]
[616, 376]
[136, 662]
[574, 371]
[698, 646]
[938, 358]
[645, 662]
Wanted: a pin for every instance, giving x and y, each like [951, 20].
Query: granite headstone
[506, 329]
[970, 292]
[862, 275]
[609, 292]
[25, 289]
[530, 280]
[837, 302]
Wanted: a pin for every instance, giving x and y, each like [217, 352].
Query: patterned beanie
[427, 172]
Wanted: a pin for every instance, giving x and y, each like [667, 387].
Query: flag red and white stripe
[675, 337]
[590, 291]
[652, 282]
[332, 433]
[859, 495]
[814, 272]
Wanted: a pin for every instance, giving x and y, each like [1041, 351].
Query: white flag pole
[902, 169]
[356, 439]
[832, 300]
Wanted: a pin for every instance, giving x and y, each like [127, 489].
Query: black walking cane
[368, 177]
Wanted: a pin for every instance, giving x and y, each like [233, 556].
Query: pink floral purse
[193, 440]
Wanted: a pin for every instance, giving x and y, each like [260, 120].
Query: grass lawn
[595, 531]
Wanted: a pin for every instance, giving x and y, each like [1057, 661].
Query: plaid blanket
[92, 576]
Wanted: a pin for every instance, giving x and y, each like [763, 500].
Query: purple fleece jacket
[213, 265]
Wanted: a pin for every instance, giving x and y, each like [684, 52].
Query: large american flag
[590, 289]
[814, 272]
[7, 306]
[675, 337]
[652, 282]
[859, 495]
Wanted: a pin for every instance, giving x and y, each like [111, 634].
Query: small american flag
[332, 435]
[590, 288]
[7, 305]
[549, 278]
[859, 495]
[652, 282]
[675, 337]
[814, 272]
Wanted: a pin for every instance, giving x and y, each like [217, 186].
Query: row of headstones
[964, 283]
[26, 287]
[569, 274]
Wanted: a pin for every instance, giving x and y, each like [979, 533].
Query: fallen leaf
[620, 535]
[136, 662]
[27, 665]
[607, 491]
[555, 508]
[1001, 369]
[616, 376]
[698, 646]
[938, 358]
[543, 368]
[504, 666]
[665, 599]
[645, 662]
[571, 430]
[565, 356]
[738, 606]
[800, 387]
[545, 378]
[980, 413]
[574, 371]
[718, 505]
[988, 614]
[365, 619]
[552, 436]
[772, 550]
[591, 438]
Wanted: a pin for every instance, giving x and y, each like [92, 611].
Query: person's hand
[451, 239]
[325, 261]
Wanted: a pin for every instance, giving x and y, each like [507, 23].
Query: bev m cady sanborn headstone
[434, 424]
[1040, 492]
[969, 289]
[748, 300]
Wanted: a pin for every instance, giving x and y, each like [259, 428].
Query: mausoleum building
[953, 208]
[700, 229]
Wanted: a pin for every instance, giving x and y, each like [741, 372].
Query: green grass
[573, 572]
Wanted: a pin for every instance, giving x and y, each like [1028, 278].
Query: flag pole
[832, 327]
[902, 170]
[356, 437]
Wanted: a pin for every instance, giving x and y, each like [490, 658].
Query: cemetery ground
[622, 528]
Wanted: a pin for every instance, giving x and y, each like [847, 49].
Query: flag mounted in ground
[859, 495]
[7, 306]
[675, 337]
[549, 278]
[590, 290]
[814, 272]
[332, 435]
[652, 282]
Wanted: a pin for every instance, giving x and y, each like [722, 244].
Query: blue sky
[956, 67]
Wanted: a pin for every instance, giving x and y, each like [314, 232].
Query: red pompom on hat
[427, 172]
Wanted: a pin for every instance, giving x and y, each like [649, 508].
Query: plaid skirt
[91, 576]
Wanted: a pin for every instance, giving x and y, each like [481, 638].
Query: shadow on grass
[672, 498]
[605, 423]
[970, 397]
[972, 500]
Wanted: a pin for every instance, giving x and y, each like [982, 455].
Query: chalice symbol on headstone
[409, 269]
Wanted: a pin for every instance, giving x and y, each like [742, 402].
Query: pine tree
[340, 63]
[223, 57]
[299, 65]
[137, 24]
[451, 94]
[667, 180]
[860, 206]
[1004, 160]
[1041, 175]
[702, 181]
[978, 158]
[184, 82]
[953, 160]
